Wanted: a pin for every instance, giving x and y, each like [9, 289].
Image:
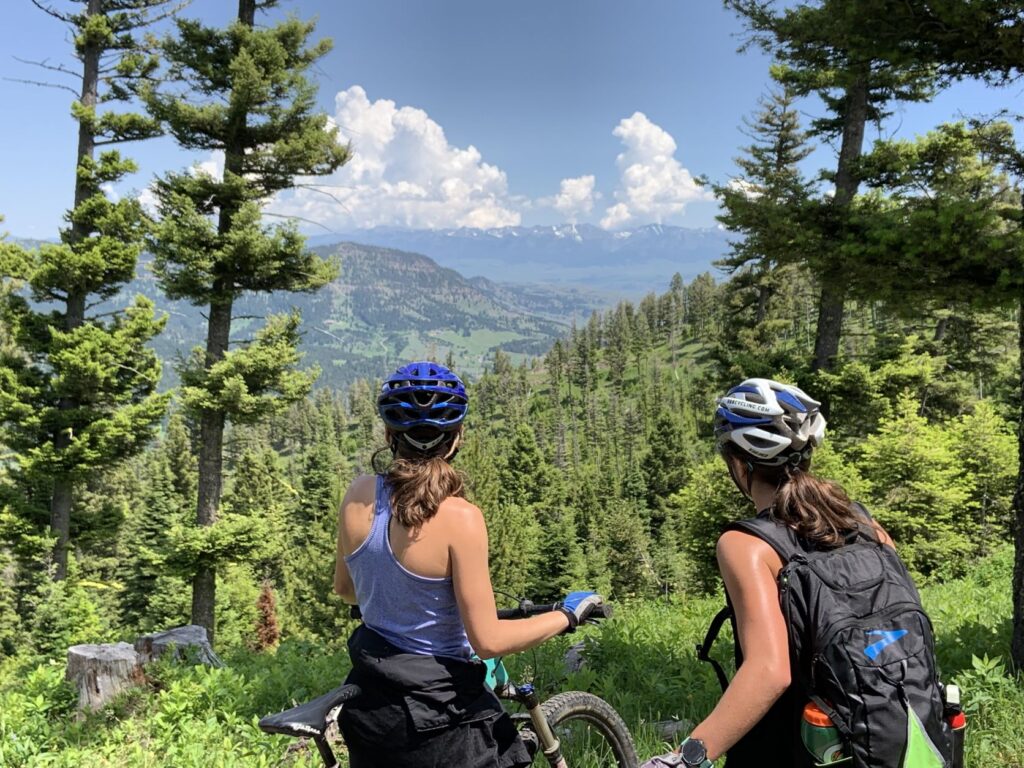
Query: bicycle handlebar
[526, 608]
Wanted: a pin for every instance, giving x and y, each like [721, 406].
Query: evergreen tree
[267, 631]
[663, 465]
[85, 397]
[845, 54]
[919, 493]
[767, 207]
[147, 602]
[243, 91]
[310, 604]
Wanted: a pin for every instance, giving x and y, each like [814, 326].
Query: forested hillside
[385, 306]
[594, 467]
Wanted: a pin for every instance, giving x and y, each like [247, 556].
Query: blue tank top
[415, 613]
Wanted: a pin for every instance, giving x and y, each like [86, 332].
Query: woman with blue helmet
[412, 553]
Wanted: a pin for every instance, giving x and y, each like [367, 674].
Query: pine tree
[766, 206]
[146, 544]
[309, 602]
[243, 91]
[663, 465]
[845, 54]
[85, 398]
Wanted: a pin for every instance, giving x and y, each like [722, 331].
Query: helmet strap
[748, 492]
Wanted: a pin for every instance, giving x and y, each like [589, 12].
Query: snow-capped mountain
[629, 261]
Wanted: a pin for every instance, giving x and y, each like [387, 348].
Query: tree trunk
[211, 464]
[830, 325]
[60, 516]
[762, 304]
[1017, 641]
[211, 424]
[833, 285]
[74, 316]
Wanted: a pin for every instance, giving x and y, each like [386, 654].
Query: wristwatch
[695, 754]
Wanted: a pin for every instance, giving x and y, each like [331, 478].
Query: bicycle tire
[565, 711]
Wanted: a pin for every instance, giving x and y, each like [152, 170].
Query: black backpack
[861, 647]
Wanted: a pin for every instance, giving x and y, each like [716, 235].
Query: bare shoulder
[461, 519]
[737, 549]
[361, 490]
[738, 544]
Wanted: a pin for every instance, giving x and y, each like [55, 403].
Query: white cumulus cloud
[575, 198]
[403, 172]
[653, 185]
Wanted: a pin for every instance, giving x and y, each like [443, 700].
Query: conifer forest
[888, 282]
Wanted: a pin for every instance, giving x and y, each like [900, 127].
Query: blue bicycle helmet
[425, 398]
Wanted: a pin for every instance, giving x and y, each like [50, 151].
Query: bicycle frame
[526, 695]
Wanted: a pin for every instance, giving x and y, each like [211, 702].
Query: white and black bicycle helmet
[771, 424]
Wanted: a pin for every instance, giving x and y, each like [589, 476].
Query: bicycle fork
[549, 743]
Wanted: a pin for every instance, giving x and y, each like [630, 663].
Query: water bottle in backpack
[820, 736]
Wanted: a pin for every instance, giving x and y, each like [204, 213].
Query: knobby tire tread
[579, 705]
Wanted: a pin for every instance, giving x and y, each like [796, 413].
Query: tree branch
[45, 65]
[41, 84]
[301, 218]
[51, 11]
[141, 22]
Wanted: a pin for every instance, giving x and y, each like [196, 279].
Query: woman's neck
[762, 493]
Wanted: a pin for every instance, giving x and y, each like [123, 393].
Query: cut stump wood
[185, 643]
[673, 730]
[100, 672]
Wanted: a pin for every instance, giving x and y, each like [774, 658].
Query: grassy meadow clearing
[642, 661]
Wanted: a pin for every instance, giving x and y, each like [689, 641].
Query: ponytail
[818, 510]
[419, 482]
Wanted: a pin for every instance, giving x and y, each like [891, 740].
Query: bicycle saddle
[309, 719]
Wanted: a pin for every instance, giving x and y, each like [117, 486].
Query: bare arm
[471, 579]
[764, 674]
[355, 516]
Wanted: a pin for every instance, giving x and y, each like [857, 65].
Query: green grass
[642, 662]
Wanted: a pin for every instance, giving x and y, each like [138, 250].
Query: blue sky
[473, 113]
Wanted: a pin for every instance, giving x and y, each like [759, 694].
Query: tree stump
[188, 642]
[100, 672]
[673, 730]
[574, 659]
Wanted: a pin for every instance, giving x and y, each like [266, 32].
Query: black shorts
[492, 742]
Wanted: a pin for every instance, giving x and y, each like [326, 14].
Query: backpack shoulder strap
[704, 649]
[780, 537]
[864, 511]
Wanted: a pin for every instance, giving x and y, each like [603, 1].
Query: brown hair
[420, 481]
[818, 510]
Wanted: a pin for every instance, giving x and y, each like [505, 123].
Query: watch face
[694, 752]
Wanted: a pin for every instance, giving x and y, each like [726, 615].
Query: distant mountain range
[626, 262]
[385, 307]
[391, 303]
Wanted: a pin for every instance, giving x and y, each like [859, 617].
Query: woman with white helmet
[766, 432]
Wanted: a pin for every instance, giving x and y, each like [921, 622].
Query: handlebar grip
[603, 611]
[524, 610]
